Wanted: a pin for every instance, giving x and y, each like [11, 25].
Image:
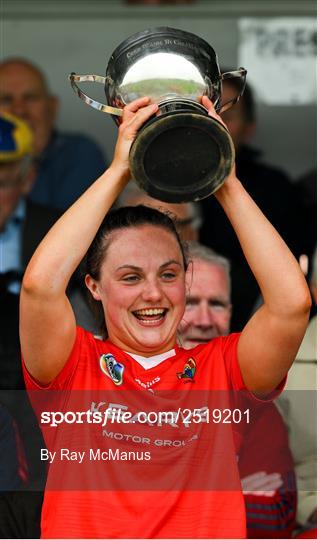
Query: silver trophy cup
[181, 154]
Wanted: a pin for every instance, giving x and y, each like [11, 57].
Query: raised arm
[47, 322]
[270, 340]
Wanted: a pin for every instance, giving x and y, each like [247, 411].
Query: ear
[189, 277]
[93, 286]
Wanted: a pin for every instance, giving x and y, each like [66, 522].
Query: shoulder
[87, 343]
[217, 361]
[221, 344]
[80, 367]
[92, 348]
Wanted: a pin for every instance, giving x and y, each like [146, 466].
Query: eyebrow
[223, 301]
[138, 268]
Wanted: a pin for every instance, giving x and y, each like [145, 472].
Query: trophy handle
[89, 101]
[240, 72]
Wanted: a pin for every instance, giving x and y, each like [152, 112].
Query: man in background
[208, 304]
[265, 463]
[22, 226]
[187, 216]
[67, 163]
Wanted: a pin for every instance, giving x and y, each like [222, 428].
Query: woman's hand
[208, 104]
[135, 114]
[261, 484]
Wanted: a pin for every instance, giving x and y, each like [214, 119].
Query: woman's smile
[150, 316]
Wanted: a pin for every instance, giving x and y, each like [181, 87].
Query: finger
[139, 118]
[267, 486]
[206, 102]
[258, 474]
[269, 481]
[266, 493]
[209, 106]
[132, 108]
[260, 493]
[136, 104]
[261, 480]
[272, 483]
[248, 481]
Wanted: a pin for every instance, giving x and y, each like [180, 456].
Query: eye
[217, 305]
[32, 97]
[168, 275]
[131, 278]
[5, 100]
[191, 302]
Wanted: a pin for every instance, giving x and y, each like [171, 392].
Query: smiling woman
[146, 291]
[149, 295]
[136, 270]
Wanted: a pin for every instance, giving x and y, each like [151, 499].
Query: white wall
[65, 36]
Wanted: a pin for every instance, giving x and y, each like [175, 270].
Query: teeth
[149, 312]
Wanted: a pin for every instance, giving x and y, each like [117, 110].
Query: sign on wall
[280, 55]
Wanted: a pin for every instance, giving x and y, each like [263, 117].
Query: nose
[152, 291]
[204, 316]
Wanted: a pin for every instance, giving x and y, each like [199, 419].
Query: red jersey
[181, 481]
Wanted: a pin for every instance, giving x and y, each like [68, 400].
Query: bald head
[186, 215]
[24, 93]
[16, 64]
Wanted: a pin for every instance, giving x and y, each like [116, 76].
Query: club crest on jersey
[112, 368]
[188, 372]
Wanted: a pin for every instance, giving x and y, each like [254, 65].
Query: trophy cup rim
[155, 32]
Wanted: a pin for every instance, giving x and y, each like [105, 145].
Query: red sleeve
[63, 378]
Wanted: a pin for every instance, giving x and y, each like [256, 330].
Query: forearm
[270, 340]
[65, 245]
[67, 242]
[279, 277]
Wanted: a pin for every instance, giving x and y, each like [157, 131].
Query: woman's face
[142, 289]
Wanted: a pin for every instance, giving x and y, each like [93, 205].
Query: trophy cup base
[181, 155]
